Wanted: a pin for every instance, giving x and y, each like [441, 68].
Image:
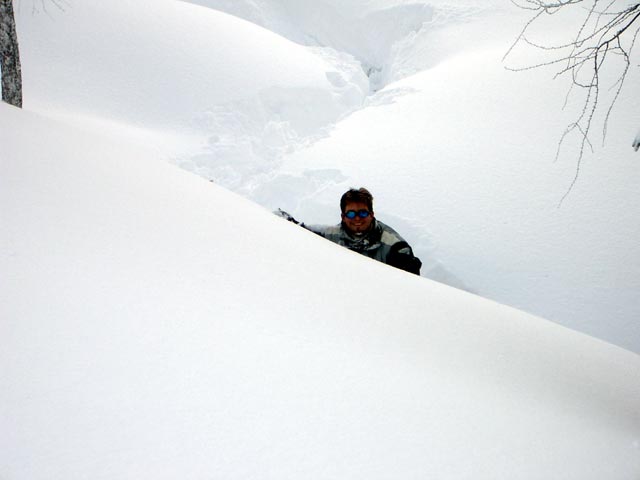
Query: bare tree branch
[607, 32]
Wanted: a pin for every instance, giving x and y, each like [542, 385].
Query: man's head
[357, 210]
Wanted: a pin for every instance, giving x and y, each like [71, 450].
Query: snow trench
[365, 50]
[246, 138]
[388, 42]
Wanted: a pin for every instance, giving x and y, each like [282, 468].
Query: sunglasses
[351, 214]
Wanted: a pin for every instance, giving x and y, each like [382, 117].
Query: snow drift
[157, 326]
[297, 101]
[459, 153]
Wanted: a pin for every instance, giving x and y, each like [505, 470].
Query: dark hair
[361, 195]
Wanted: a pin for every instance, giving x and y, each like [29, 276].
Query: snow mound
[156, 326]
[251, 86]
[458, 153]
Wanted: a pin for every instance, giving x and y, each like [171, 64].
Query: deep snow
[157, 326]
[458, 152]
[460, 155]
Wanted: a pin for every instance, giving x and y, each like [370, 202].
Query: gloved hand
[281, 213]
[636, 142]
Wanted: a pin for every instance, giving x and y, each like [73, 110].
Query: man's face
[358, 224]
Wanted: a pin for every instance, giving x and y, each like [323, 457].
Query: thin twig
[602, 35]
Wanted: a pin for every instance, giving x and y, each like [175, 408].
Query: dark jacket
[381, 243]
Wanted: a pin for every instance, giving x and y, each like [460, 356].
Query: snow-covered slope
[278, 106]
[391, 39]
[169, 68]
[460, 155]
[465, 168]
[156, 326]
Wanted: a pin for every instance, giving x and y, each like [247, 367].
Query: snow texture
[161, 324]
[457, 151]
[157, 326]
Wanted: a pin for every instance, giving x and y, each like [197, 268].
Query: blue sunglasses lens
[351, 214]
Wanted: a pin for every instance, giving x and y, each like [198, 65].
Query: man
[361, 232]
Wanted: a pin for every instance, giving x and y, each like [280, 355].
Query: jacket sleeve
[321, 230]
[401, 256]
[317, 229]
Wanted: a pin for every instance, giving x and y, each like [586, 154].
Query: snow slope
[172, 68]
[391, 39]
[460, 154]
[154, 325]
[480, 197]
[277, 106]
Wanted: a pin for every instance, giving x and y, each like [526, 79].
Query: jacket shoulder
[327, 231]
[388, 235]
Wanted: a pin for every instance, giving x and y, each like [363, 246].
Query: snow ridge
[388, 41]
[156, 326]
